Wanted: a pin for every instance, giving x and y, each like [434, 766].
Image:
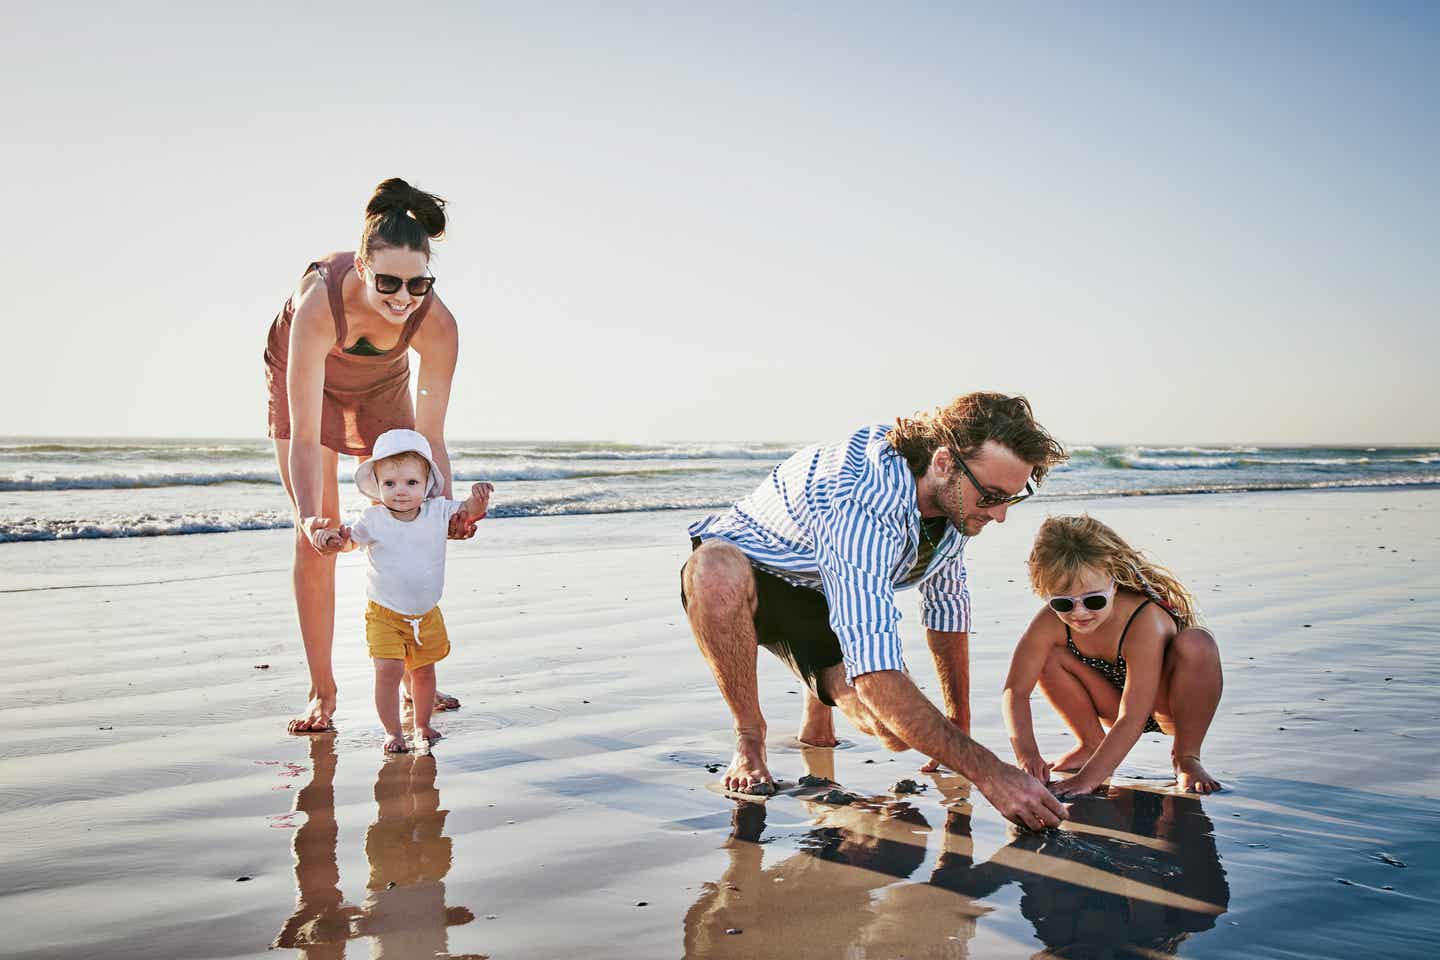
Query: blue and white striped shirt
[843, 518]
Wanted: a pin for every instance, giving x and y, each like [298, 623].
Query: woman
[1117, 643]
[338, 369]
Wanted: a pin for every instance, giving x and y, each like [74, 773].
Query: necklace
[935, 545]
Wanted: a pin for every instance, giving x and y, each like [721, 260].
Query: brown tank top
[364, 395]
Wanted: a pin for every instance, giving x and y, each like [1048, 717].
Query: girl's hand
[322, 534]
[1071, 787]
[1035, 766]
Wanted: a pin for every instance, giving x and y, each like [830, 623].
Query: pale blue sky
[753, 221]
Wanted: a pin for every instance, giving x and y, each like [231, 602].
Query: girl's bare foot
[1074, 760]
[1192, 778]
[395, 743]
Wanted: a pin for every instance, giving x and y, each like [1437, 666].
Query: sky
[744, 222]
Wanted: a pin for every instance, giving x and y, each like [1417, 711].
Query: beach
[151, 803]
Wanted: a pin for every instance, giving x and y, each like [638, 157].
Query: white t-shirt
[406, 558]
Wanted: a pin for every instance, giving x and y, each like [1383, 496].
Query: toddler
[404, 537]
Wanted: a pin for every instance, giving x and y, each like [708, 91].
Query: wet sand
[146, 771]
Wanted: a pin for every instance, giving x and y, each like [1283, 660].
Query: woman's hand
[324, 534]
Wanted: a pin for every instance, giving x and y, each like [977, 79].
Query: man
[808, 565]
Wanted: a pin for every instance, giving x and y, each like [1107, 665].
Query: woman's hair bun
[399, 215]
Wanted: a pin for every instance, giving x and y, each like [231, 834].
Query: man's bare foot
[817, 729]
[1192, 778]
[316, 718]
[748, 772]
[1074, 760]
[395, 743]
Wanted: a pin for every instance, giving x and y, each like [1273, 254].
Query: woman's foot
[1074, 760]
[443, 701]
[428, 732]
[316, 718]
[1193, 778]
[395, 743]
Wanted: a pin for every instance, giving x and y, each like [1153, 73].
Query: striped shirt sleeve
[856, 550]
[945, 600]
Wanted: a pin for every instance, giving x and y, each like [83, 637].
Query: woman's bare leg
[1082, 698]
[313, 578]
[1190, 691]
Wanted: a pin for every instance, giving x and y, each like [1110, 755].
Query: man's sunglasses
[1097, 600]
[992, 498]
[389, 283]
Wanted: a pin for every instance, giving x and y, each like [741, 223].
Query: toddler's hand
[322, 536]
[480, 498]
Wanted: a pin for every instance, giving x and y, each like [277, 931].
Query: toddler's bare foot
[1192, 778]
[395, 743]
[1074, 760]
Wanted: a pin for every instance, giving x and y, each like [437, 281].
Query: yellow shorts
[390, 636]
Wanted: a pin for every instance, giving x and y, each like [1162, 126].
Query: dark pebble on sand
[1388, 679]
[584, 701]
[1387, 858]
[838, 798]
[243, 879]
[809, 781]
[734, 931]
[1387, 887]
[642, 903]
[869, 761]
[262, 666]
[1279, 728]
[107, 728]
[390, 885]
[1304, 624]
[1348, 883]
[907, 786]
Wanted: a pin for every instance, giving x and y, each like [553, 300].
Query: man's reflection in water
[404, 913]
[1135, 872]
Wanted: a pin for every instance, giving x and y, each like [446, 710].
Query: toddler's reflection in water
[404, 913]
[1135, 871]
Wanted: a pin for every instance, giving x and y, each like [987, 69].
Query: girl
[1118, 643]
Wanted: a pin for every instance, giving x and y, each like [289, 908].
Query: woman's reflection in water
[404, 913]
[1134, 872]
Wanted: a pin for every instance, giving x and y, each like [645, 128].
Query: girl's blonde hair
[1066, 545]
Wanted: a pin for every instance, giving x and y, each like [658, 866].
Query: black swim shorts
[794, 624]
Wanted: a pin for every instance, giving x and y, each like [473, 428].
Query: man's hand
[1021, 798]
[324, 534]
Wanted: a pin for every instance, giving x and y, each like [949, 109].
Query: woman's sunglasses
[1090, 601]
[389, 283]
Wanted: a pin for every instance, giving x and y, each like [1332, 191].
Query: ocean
[59, 489]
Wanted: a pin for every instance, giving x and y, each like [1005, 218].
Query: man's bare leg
[720, 601]
[817, 727]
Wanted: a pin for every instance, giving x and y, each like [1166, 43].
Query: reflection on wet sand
[404, 913]
[1135, 874]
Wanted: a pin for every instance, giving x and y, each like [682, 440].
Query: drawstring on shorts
[415, 626]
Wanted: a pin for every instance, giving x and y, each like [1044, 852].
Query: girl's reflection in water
[1134, 872]
[404, 913]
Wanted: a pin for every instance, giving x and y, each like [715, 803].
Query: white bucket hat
[388, 444]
